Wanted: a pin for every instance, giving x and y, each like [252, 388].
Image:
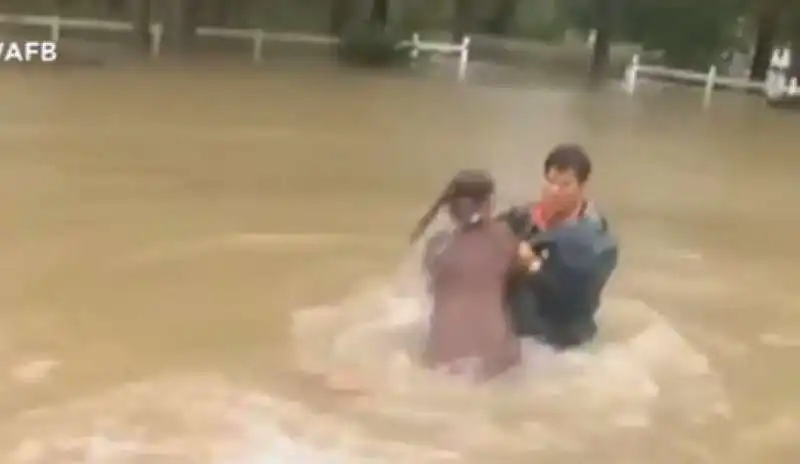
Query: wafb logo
[28, 51]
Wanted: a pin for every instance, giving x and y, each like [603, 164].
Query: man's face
[561, 191]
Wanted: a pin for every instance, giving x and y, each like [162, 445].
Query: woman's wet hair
[569, 157]
[465, 195]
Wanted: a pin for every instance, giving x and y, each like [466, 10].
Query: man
[568, 251]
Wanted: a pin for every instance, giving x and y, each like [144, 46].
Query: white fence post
[631, 74]
[778, 84]
[258, 46]
[463, 59]
[591, 38]
[55, 29]
[156, 36]
[414, 46]
[710, 84]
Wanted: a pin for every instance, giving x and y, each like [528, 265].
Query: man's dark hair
[569, 157]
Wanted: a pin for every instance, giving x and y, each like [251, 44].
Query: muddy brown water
[176, 241]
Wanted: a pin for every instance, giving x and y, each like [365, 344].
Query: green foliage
[688, 33]
[691, 34]
[579, 14]
[370, 43]
[552, 31]
[789, 27]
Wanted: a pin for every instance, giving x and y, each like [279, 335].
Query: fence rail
[258, 36]
[710, 80]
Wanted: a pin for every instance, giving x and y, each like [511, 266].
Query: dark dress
[470, 324]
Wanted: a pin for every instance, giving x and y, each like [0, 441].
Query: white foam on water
[639, 371]
[252, 242]
[22, 365]
[33, 371]
[780, 340]
[191, 418]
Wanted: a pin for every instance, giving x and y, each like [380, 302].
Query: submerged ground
[162, 227]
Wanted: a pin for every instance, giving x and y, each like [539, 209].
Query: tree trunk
[462, 19]
[503, 17]
[380, 12]
[767, 30]
[117, 8]
[141, 15]
[180, 24]
[219, 11]
[57, 6]
[340, 15]
[601, 53]
[794, 67]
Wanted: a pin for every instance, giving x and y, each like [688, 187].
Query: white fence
[258, 36]
[416, 45]
[778, 85]
[635, 71]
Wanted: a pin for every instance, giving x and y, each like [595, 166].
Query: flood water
[182, 246]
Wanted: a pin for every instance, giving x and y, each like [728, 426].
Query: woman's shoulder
[505, 237]
[438, 238]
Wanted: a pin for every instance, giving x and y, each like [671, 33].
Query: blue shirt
[579, 257]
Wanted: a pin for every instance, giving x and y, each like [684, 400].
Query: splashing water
[201, 418]
[640, 372]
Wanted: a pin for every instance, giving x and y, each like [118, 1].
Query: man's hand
[527, 257]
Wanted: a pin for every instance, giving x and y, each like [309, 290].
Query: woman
[468, 268]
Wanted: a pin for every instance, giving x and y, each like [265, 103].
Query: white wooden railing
[258, 36]
[711, 79]
[416, 46]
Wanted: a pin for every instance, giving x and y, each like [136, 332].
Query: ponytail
[466, 193]
[425, 221]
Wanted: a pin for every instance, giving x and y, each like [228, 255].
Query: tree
[340, 15]
[180, 24]
[141, 12]
[690, 34]
[601, 53]
[462, 19]
[368, 40]
[380, 12]
[790, 18]
[503, 17]
[768, 13]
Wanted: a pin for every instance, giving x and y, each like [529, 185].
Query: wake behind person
[570, 252]
[468, 268]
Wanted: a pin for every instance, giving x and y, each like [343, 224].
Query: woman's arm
[433, 249]
[518, 219]
[430, 255]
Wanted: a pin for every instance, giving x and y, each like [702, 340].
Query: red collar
[538, 217]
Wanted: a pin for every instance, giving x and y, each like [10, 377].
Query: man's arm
[578, 263]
